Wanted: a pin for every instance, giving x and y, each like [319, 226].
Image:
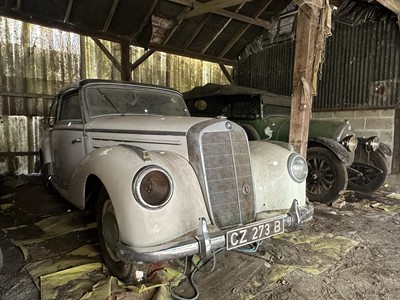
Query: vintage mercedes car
[335, 162]
[166, 185]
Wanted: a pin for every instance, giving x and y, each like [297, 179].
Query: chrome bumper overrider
[204, 243]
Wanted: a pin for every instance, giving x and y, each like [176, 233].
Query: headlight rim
[372, 143]
[350, 142]
[291, 159]
[136, 184]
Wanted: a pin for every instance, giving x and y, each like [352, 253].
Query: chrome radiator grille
[228, 177]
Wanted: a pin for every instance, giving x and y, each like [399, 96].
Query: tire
[373, 176]
[327, 175]
[45, 177]
[108, 232]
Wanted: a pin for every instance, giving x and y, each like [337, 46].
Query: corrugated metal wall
[361, 69]
[270, 69]
[35, 62]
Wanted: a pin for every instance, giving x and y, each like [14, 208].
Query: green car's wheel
[327, 175]
[109, 237]
[370, 175]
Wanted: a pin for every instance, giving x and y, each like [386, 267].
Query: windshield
[276, 110]
[125, 99]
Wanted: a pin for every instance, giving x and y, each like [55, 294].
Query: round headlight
[297, 167]
[350, 143]
[152, 187]
[372, 143]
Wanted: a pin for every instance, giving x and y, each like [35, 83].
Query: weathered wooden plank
[307, 22]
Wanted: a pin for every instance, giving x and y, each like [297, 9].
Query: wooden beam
[243, 30]
[18, 5]
[210, 6]
[143, 58]
[110, 15]
[108, 54]
[191, 54]
[126, 61]
[199, 27]
[226, 73]
[146, 19]
[216, 35]
[68, 11]
[307, 23]
[228, 14]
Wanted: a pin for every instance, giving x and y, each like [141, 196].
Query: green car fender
[340, 151]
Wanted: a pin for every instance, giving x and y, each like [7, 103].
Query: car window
[104, 100]
[70, 108]
[276, 110]
[245, 110]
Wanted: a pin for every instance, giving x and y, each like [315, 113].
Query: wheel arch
[337, 149]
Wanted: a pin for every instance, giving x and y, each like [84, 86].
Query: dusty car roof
[84, 82]
[213, 90]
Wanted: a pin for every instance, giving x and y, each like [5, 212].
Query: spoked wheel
[327, 175]
[369, 176]
[109, 237]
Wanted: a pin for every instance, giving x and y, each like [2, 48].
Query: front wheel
[369, 176]
[109, 237]
[327, 175]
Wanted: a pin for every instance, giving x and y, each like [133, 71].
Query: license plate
[254, 232]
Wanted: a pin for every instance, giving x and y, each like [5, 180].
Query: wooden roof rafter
[211, 6]
[146, 20]
[110, 15]
[242, 32]
[228, 14]
[68, 11]
[208, 44]
[197, 31]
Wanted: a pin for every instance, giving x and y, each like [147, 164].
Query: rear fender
[345, 156]
[116, 167]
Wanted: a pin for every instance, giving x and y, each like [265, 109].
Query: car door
[67, 138]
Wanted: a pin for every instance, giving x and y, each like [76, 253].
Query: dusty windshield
[124, 99]
[276, 110]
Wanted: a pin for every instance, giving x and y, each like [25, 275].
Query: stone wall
[366, 123]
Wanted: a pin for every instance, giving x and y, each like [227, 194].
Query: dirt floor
[352, 252]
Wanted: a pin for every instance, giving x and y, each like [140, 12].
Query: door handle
[79, 140]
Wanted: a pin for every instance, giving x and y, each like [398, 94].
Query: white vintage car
[166, 185]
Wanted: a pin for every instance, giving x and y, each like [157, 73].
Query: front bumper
[204, 243]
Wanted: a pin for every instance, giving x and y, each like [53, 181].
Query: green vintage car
[336, 158]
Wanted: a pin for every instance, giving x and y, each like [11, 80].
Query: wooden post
[125, 61]
[307, 23]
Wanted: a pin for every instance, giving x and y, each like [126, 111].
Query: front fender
[345, 156]
[116, 167]
[274, 188]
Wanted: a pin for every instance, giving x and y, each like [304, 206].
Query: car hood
[144, 123]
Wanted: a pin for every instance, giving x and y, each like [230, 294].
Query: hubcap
[110, 230]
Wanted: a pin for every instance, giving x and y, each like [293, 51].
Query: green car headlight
[152, 187]
[372, 143]
[297, 167]
[350, 143]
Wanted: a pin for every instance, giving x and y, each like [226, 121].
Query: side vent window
[70, 108]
